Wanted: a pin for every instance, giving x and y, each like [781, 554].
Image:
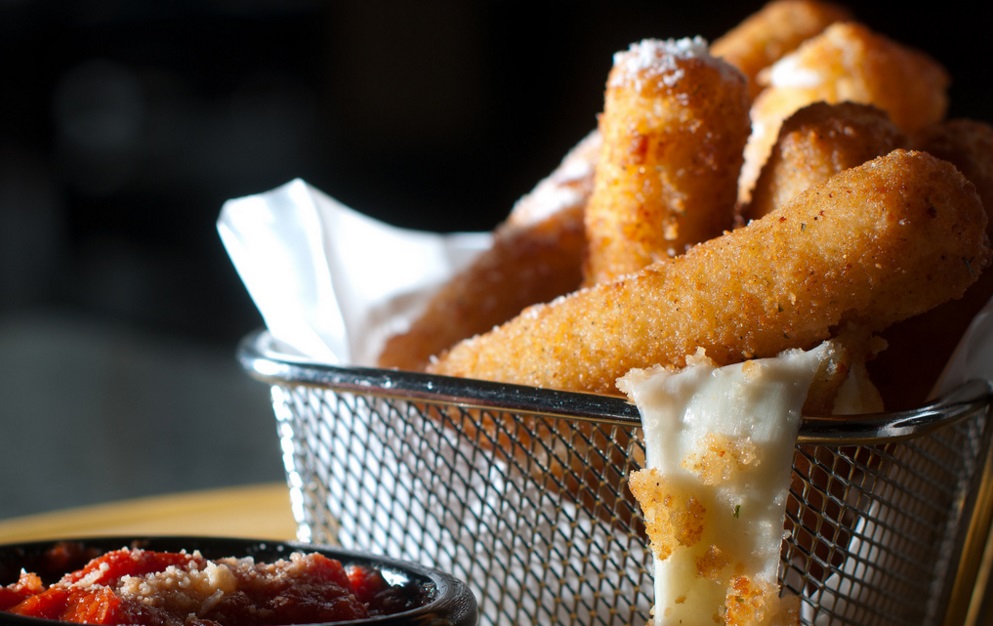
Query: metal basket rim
[262, 358]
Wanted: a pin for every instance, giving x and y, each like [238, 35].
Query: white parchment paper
[332, 283]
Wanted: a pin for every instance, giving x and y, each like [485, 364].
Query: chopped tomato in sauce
[152, 588]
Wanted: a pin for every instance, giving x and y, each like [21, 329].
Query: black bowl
[449, 601]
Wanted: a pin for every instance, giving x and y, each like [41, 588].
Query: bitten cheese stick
[773, 31]
[719, 442]
[536, 255]
[674, 125]
[846, 62]
[874, 244]
[815, 143]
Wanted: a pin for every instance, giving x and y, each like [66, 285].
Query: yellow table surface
[254, 511]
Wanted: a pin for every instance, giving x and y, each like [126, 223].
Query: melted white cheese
[752, 411]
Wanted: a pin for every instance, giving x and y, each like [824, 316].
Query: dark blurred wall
[124, 126]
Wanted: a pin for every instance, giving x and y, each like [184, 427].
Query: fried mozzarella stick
[905, 374]
[536, 255]
[846, 62]
[776, 29]
[873, 245]
[673, 126]
[815, 143]
[968, 144]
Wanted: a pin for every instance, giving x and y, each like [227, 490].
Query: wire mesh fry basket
[522, 493]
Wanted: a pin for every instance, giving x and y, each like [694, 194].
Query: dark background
[125, 126]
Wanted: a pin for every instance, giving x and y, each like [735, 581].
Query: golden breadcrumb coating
[710, 565]
[846, 62]
[757, 603]
[673, 517]
[968, 145]
[773, 31]
[720, 457]
[904, 373]
[816, 142]
[568, 185]
[674, 126]
[874, 244]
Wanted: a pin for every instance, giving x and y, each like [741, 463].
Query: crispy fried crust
[751, 602]
[816, 142]
[674, 125]
[846, 62]
[673, 517]
[536, 255]
[968, 145]
[905, 373]
[873, 245]
[773, 31]
[568, 186]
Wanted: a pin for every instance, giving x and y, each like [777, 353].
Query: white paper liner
[331, 283]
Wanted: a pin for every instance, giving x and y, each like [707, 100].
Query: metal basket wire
[522, 493]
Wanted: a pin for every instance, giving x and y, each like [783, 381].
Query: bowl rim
[454, 602]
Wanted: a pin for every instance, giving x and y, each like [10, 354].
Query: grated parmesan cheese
[659, 61]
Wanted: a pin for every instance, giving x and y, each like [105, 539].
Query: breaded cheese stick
[904, 373]
[874, 244]
[673, 128]
[846, 62]
[968, 144]
[776, 29]
[568, 186]
[816, 142]
[536, 255]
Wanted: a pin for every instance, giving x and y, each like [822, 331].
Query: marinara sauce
[157, 588]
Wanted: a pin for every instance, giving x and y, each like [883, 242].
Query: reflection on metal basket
[522, 493]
